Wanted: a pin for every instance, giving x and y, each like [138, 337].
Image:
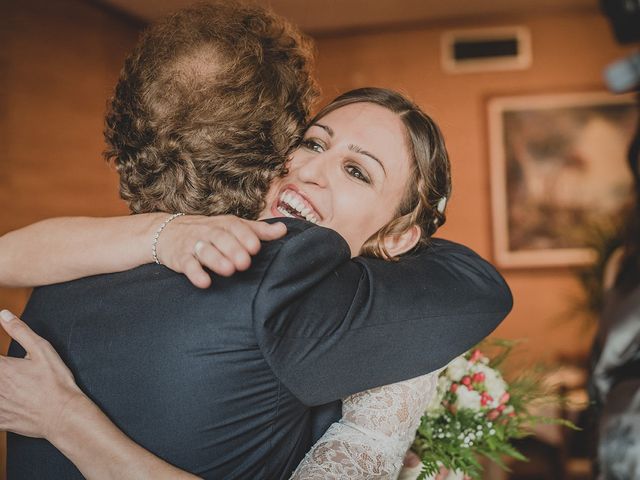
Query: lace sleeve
[375, 431]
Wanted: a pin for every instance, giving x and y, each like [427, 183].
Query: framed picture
[558, 168]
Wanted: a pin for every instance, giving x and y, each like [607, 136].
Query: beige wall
[569, 52]
[59, 61]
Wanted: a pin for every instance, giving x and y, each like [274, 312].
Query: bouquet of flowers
[476, 413]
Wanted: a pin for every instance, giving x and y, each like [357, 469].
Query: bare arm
[62, 249]
[39, 398]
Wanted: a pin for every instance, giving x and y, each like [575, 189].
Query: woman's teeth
[292, 205]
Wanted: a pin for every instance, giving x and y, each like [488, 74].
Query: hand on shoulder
[223, 244]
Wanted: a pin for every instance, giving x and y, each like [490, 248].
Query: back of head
[206, 109]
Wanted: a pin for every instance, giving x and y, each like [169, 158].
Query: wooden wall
[59, 60]
[569, 53]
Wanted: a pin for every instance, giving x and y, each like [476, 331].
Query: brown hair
[206, 109]
[430, 180]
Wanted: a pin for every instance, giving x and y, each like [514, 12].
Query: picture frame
[558, 169]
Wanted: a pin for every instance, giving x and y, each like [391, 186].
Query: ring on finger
[197, 248]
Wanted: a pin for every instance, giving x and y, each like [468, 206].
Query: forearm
[62, 249]
[101, 451]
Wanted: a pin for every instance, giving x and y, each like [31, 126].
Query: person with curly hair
[222, 381]
[206, 109]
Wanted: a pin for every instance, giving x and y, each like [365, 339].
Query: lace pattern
[375, 431]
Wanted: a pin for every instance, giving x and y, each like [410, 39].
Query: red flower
[485, 398]
[475, 356]
[478, 377]
[466, 380]
[493, 414]
[454, 388]
[505, 397]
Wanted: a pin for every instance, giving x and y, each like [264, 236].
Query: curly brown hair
[429, 185]
[206, 109]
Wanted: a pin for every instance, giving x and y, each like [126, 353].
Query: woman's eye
[355, 172]
[313, 145]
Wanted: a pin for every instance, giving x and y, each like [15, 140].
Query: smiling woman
[371, 166]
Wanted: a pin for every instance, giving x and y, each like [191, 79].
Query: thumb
[269, 231]
[20, 332]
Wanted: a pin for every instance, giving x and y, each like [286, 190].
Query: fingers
[243, 232]
[21, 333]
[213, 259]
[411, 459]
[234, 248]
[195, 273]
[222, 244]
[249, 233]
[229, 249]
[268, 231]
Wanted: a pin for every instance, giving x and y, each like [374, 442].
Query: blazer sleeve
[330, 326]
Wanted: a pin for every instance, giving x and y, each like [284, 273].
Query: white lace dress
[375, 431]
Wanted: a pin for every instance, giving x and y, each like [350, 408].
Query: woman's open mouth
[292, 204]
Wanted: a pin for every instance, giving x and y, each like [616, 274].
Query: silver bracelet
[156, 236]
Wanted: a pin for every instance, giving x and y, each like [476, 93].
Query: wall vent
[486, 49]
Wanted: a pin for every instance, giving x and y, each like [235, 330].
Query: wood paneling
[59, 61]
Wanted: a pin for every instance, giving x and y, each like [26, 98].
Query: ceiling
[323, 16]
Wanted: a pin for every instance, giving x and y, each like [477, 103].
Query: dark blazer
[220, 382]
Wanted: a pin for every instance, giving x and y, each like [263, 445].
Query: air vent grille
[474, 50]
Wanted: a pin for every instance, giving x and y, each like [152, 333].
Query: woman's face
[349, 174]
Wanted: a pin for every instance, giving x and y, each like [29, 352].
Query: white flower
[435, 404]
[467, 399]
[444, 384]
[457, 369]
[494, 383]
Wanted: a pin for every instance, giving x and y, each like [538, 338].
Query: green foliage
[440, 442]
[455, 438]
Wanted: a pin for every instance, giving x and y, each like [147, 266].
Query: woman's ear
[403, 242]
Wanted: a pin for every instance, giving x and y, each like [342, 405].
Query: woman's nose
[314, 169]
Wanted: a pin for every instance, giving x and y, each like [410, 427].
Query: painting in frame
[558, 169]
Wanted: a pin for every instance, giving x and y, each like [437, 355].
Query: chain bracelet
[156, 236]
